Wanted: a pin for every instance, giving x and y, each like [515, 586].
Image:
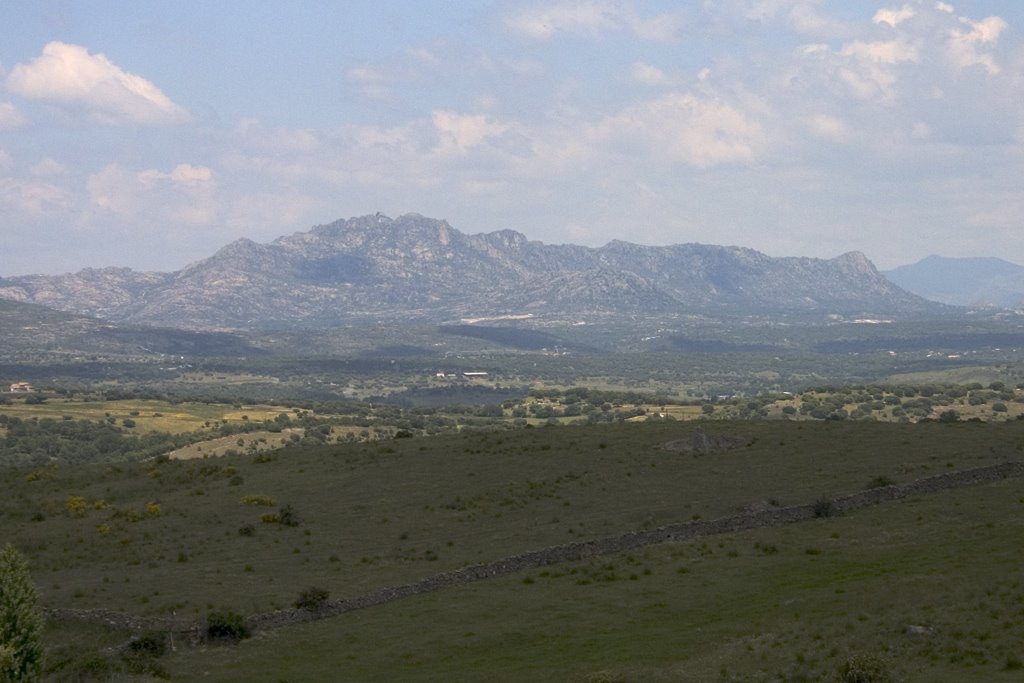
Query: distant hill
[418, 268]
[963, 281]
[30, 328]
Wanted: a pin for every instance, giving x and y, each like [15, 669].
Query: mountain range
[418, 268]
[964, 281]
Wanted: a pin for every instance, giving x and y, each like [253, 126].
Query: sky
[148, 134]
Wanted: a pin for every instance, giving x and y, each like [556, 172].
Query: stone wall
[569, 553]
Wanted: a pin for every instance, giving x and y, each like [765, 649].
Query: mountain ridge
[422, 268]
[963, 281]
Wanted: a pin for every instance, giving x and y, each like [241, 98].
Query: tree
[21, 649]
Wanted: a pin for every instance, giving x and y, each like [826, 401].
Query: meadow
[185, 538]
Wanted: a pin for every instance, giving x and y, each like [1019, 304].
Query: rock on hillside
[412, 267]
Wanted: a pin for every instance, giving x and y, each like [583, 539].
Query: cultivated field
[148, 415]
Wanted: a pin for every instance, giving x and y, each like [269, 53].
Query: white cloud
[867, 70]
[30, 198]
[185, 175]
[457, 133]
[944, 7]
[882, 52]
[592, 18]
[69, 75]
[47, 167]
[829, 128]
[583, 16]
[154, 198]
[964, 46]
[648, 74]
[807, 20]
[801, 16]
[894, 17]
[365, 74]
[682, 128]
[10, 117]
[112, 190]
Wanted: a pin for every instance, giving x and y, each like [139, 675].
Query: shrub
[76, 506]
[313, 598]
[247, 530]
[823, 507]
[880, 481]
[861, 668]
[288, 516]
[226, 626]
[148, 645]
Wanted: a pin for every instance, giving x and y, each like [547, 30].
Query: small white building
[21, 388]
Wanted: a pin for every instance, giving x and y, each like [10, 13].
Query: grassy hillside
[925, 591]
[186, 537]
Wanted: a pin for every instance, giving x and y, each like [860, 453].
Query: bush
[861, 668]
[147, 646]
[226, 626]
[288, 516]
[313, 598]
[823, 507]
[880, 481]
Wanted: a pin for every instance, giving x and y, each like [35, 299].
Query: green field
[176, 537]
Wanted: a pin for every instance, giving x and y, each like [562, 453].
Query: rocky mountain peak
[418, 267]
[856, 261]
